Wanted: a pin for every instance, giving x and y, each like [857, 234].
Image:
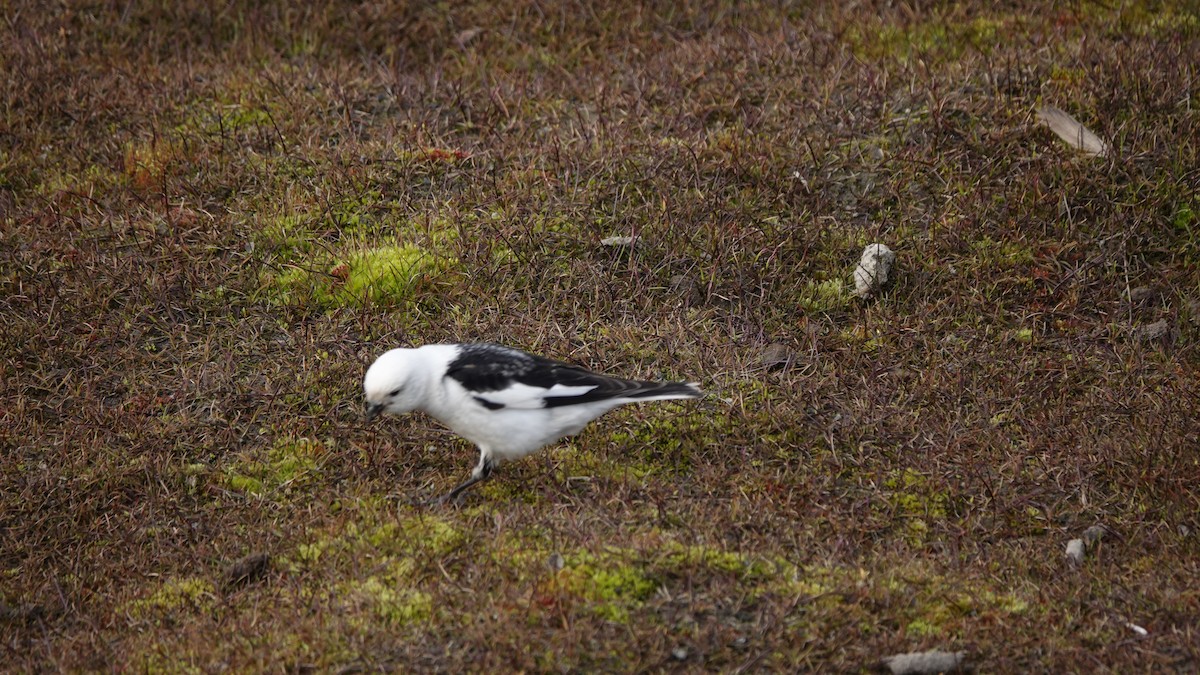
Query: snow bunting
[504, 400]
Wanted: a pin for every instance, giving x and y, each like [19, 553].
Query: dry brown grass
[187, 191]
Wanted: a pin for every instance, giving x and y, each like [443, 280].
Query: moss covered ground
[213, 217]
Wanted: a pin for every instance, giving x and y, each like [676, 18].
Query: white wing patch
[524, 396]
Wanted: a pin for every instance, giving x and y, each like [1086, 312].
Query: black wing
[482, 368]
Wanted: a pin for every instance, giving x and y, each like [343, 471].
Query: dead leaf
[1071, 131]
[466, 37]
[247, 570]
[618, 241]
[777, 356]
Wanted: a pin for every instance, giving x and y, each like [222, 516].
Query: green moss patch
[426, 534]
[406, 539]
[912, 499]
[825, 296]
[175, 596]
[939, 38]
[391, 275]
[611, 585]
[388, 598]
[289, 465]
[990, 253]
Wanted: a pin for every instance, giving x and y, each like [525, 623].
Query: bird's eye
[394, 392]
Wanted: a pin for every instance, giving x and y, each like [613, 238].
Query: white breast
[512, 432]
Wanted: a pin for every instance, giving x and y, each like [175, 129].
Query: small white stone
[1075, 551]
[873, 269]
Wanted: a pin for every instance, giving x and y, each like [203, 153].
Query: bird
[508, 402]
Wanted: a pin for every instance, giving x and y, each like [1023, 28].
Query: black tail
[650, 391]
[611, 388]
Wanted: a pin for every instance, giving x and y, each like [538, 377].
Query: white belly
[511, 433]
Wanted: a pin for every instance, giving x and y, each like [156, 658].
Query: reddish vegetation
[185, 478]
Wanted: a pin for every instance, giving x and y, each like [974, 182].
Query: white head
[394, 383]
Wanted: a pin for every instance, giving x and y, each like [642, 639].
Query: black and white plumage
[504, 400]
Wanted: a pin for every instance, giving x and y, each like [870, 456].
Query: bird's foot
[454, 498]
[441, 501]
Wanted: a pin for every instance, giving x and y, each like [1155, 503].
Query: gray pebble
[919, 663]
[1152, 331]
[1093, 534]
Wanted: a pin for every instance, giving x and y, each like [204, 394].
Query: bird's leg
[481, 473]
